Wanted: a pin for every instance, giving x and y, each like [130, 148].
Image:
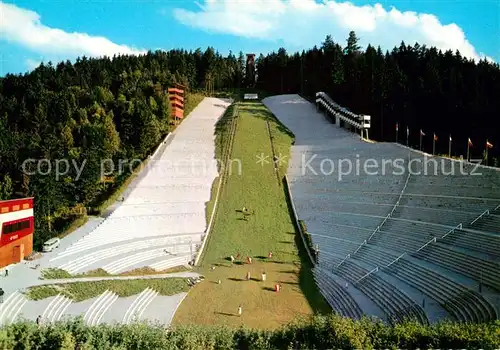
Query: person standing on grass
[264, 276]
[240, 310]
[39, 320]
[248, 276]
[232, 259]
[270, 255]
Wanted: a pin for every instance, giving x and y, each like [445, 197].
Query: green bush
[321, 332]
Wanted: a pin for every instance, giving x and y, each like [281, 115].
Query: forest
[88, 111]
[415, 86]
[118, 108]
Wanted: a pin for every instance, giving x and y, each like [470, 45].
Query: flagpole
[434, 144]
[486, 152]
[449, 148]
[397, 129]
[407, 136]
[420, 139]
[468, 148]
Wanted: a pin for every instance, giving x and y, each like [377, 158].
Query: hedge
[320, 332]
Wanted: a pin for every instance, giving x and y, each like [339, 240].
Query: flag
[422, 133]
[450, 138]
[435, 137]
[407, 131]
[397, 127]
[470, 142]
[488, 144]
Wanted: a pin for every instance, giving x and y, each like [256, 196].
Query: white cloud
[31, 63]
[303, 23]
[24, 27]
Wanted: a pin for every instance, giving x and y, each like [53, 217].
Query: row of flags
[469, 141]
[435, 138]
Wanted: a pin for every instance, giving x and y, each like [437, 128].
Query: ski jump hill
[160, 224]
[396, 240]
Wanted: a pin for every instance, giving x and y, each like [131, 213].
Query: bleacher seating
[435, 225]
[475, 241]
[465, 305]
[336, 296]
[398, 306]
[479, 269]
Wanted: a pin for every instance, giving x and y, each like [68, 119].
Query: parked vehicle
[51, 244]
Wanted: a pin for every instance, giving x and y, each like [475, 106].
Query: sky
[35, 31]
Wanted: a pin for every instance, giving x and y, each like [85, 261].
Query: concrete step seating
[96, 256]
[350, 233]
[350, 207]
[99, 307]
[122, 264]
[478, 269]
[56, 308]
[472, 205]
[477, 241]
[118, 230]
[405, 227]
[323, 222]
[334, 245]
[399, 243]
[463, 304]
[11, 308]
[444, 190]
[336, 295]
[451, 218]
[397, 305]
[488, 223]
[329, 261]
[374, 256]
[139, 305]
[171, 261]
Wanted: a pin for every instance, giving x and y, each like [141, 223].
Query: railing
[426, 244]
[486, 212]
[395, 260]
[395, 205]
[368, 274]
[498, 207]
[362, 244]
[347, 257]
[458, 227]
[358, 121]
[378, 228]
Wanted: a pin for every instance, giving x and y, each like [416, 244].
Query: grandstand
[412, 235]
[162, 220]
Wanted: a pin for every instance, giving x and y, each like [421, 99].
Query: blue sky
[32, 31]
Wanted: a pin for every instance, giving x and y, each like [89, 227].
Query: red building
[17, 224]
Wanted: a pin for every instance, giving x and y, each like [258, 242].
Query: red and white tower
[17, 224]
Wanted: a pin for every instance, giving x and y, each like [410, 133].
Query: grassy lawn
[86, 290]
[270, 228]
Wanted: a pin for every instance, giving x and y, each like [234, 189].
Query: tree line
[321, 332]
[87, 111]
[417, 87]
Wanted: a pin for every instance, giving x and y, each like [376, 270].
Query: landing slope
[165, 211]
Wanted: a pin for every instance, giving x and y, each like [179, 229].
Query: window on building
[13, 228]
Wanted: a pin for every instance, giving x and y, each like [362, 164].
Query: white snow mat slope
[166, 209]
